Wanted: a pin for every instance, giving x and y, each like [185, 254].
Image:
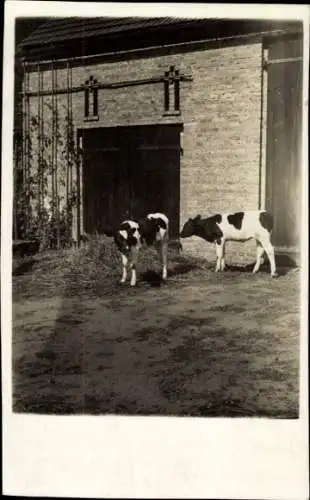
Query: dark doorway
[284, 132]
[129, 172]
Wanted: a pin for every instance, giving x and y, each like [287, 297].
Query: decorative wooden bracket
[172, 80]
[91, 98]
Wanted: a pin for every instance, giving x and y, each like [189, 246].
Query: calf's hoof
[274, 275]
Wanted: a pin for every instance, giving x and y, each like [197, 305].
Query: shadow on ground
[24, 248]
[183, 268]
[24, 267]
[154, 278]
[284, 265]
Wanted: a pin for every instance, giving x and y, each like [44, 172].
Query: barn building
[119, 117]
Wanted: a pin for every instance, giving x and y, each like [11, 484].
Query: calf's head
[125, 237]
[190, 227]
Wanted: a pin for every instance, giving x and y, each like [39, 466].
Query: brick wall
[220, 110]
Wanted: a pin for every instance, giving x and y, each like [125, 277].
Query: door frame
[80, 129]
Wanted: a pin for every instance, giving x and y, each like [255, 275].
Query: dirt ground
[203, 344]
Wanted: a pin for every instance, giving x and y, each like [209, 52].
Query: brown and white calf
[132, 235]
[238, 226]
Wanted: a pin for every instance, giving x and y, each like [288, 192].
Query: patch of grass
[94, 269]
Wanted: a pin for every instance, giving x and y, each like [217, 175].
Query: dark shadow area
[25, 248]
[282, 271]
[182, 268]
[152, 278]
[286, 261]
[23, 268]
[284, 265]
[248, 268]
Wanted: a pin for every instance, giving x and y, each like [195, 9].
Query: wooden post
[24, 146]
[28, 164]
[56, 166]
[78, 186]
[68, 139]
[52, 155]
[39, 145]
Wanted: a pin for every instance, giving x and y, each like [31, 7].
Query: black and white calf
[239, 226]
[132, 235]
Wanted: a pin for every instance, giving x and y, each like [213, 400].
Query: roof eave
[143, 39]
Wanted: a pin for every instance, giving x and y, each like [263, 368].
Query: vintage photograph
[157, 216]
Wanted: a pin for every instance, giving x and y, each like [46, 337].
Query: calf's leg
[269, 249]
[133, 266]
[259, 256]
[124, 267]
[222, 264]
[164, 257]
[219, 255]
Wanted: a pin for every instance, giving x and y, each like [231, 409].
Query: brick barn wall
[220, 110]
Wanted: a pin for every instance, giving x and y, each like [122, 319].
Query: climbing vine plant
[45, 188]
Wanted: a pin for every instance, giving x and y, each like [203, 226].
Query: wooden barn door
[155, 172]
[105, 180]
[128, 172]
[284, 128]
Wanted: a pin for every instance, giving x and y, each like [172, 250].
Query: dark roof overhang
[81, 37]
